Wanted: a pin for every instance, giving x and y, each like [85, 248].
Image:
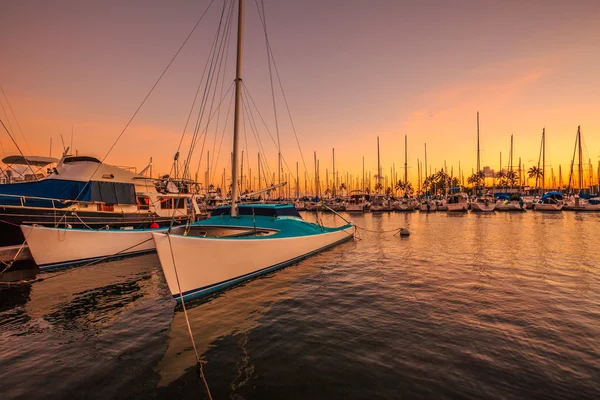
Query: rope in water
[397, 230]
[187, 320]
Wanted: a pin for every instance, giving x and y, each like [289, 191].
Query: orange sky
[349, 76]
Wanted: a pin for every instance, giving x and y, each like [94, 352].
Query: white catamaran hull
[206, 265]
[56, 247]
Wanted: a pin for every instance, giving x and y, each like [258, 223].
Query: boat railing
[24, 198]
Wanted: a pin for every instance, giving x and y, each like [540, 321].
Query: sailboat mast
[425, 170]
[235, 192]
[543, 159]
[334, 175]
[378, 166]
[363, 174]
[478, 159]
[580, 159]
[405, 159]
[511, 162]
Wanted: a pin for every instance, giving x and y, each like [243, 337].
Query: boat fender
[404, 232]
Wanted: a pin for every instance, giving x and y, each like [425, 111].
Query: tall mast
[419, 176]
[543, 159]
[242, 174]
[405, 159]
[316, 190]
[378, 166]
[511, 161]
[363, 174]
[235, 192]
[478, 159]
[258, 171]
[580, 159]
[334, 175]
[425, 169]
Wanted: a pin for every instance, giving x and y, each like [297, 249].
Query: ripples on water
[470, 306]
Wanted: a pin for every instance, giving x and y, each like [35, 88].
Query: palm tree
[512, 177]
[342, 187]
[405, 187]
[537, 173]
[388, 191]
[378, 186]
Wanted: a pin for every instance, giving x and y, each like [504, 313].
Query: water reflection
[472, 306]
[234, 312]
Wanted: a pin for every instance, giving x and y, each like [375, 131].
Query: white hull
[56, 247]
[432, 207]
[460, 207]
[206, 265]
[355, 208]
[548, 207]
[482, 207]
[511, 206]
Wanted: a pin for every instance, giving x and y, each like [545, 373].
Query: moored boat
[241, 241]
[458, 202]
[550, 201]
[483, 203]
[60, 247]
[226, 249]
[511, 202]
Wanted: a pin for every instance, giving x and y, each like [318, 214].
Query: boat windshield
[263, 210]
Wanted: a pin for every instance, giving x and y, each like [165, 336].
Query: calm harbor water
[503, 306]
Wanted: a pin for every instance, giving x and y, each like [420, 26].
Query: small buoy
[404, 232]
[154, 225]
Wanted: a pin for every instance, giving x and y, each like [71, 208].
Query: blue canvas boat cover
[587, 195]
[551, 195]
[41, 193]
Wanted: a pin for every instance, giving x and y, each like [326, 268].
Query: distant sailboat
[510, 201]
[241, 241]
[581, 201]
[483, 202]
[551, 201]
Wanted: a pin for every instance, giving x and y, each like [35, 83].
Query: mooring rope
[396, 230]
[187, 320]
[15, 257]
[81, 266]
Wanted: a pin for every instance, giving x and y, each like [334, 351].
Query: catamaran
[240, 241]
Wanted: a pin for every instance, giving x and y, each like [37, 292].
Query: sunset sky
[351, 70]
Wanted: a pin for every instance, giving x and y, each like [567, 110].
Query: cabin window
[179, 203]
[106, 207]
[167, 203]
[143, 203]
